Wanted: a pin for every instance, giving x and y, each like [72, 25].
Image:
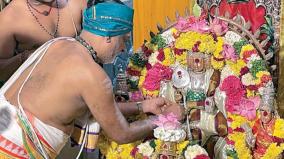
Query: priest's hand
[155, 105]
[175, 108]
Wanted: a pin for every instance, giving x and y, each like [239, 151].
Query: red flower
[195, 47]
[252, 87]
[265, 78]
[230, 130]
[239, 129]
[178, 51]
[201, 157]
[244, 71]
[230, 142]
[247, 54]
[229, 119]
[148, 66]
[161, 55]
[146, 50]
[148, 53]
[133, 72]
[134, 152]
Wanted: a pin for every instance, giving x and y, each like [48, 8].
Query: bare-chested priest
[62, 84]
[27, 24]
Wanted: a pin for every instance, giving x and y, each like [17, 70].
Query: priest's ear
[108, 39]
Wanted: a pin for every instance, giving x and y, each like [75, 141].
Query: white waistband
[13, 132]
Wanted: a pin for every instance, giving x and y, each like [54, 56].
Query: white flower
[176, 135]
[153, 58]
[145, 149]
[192, 151]
[226, 72]
[168, 36]
[248, 79]
[232, 37]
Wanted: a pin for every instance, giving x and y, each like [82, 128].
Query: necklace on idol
[45, 13]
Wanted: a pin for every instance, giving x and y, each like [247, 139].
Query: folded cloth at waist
[12, 138]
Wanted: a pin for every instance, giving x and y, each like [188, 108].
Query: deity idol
[198, 84]
[261, 135]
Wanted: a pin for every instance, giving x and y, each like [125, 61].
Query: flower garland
[243, 74]
[279, 128]
[240, 145]
[273, 151]
[111, 150]
[237, 66]
[169, 131]
[169, 57]
[217, 60]
[196, 42]
[236, 121]
[181, 58]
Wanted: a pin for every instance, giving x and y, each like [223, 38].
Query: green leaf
[232, 153]
[268, 19]
[196, 10]
[153, 144]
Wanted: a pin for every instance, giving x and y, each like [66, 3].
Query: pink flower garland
[192, 24]
[168, 122]
[236, 103]
[155, 75]
[234, 90]
[219, 27]
[229, 53]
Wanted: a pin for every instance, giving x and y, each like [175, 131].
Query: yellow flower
[169, 57]
[188, 39]
[116, 151]
[259, 76]
[250, 93]
[158, 144]
[181, 146]
[240, 145]
[279, 128]
[238, 121]
[236, 66]
[219, 48]
[217, 65]
[273, 151]
[207, 45]
[174, 30]
[153, 93]
[142, 77]
[182, 58]
[248, 47]
[146, 93]
[245, 48]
